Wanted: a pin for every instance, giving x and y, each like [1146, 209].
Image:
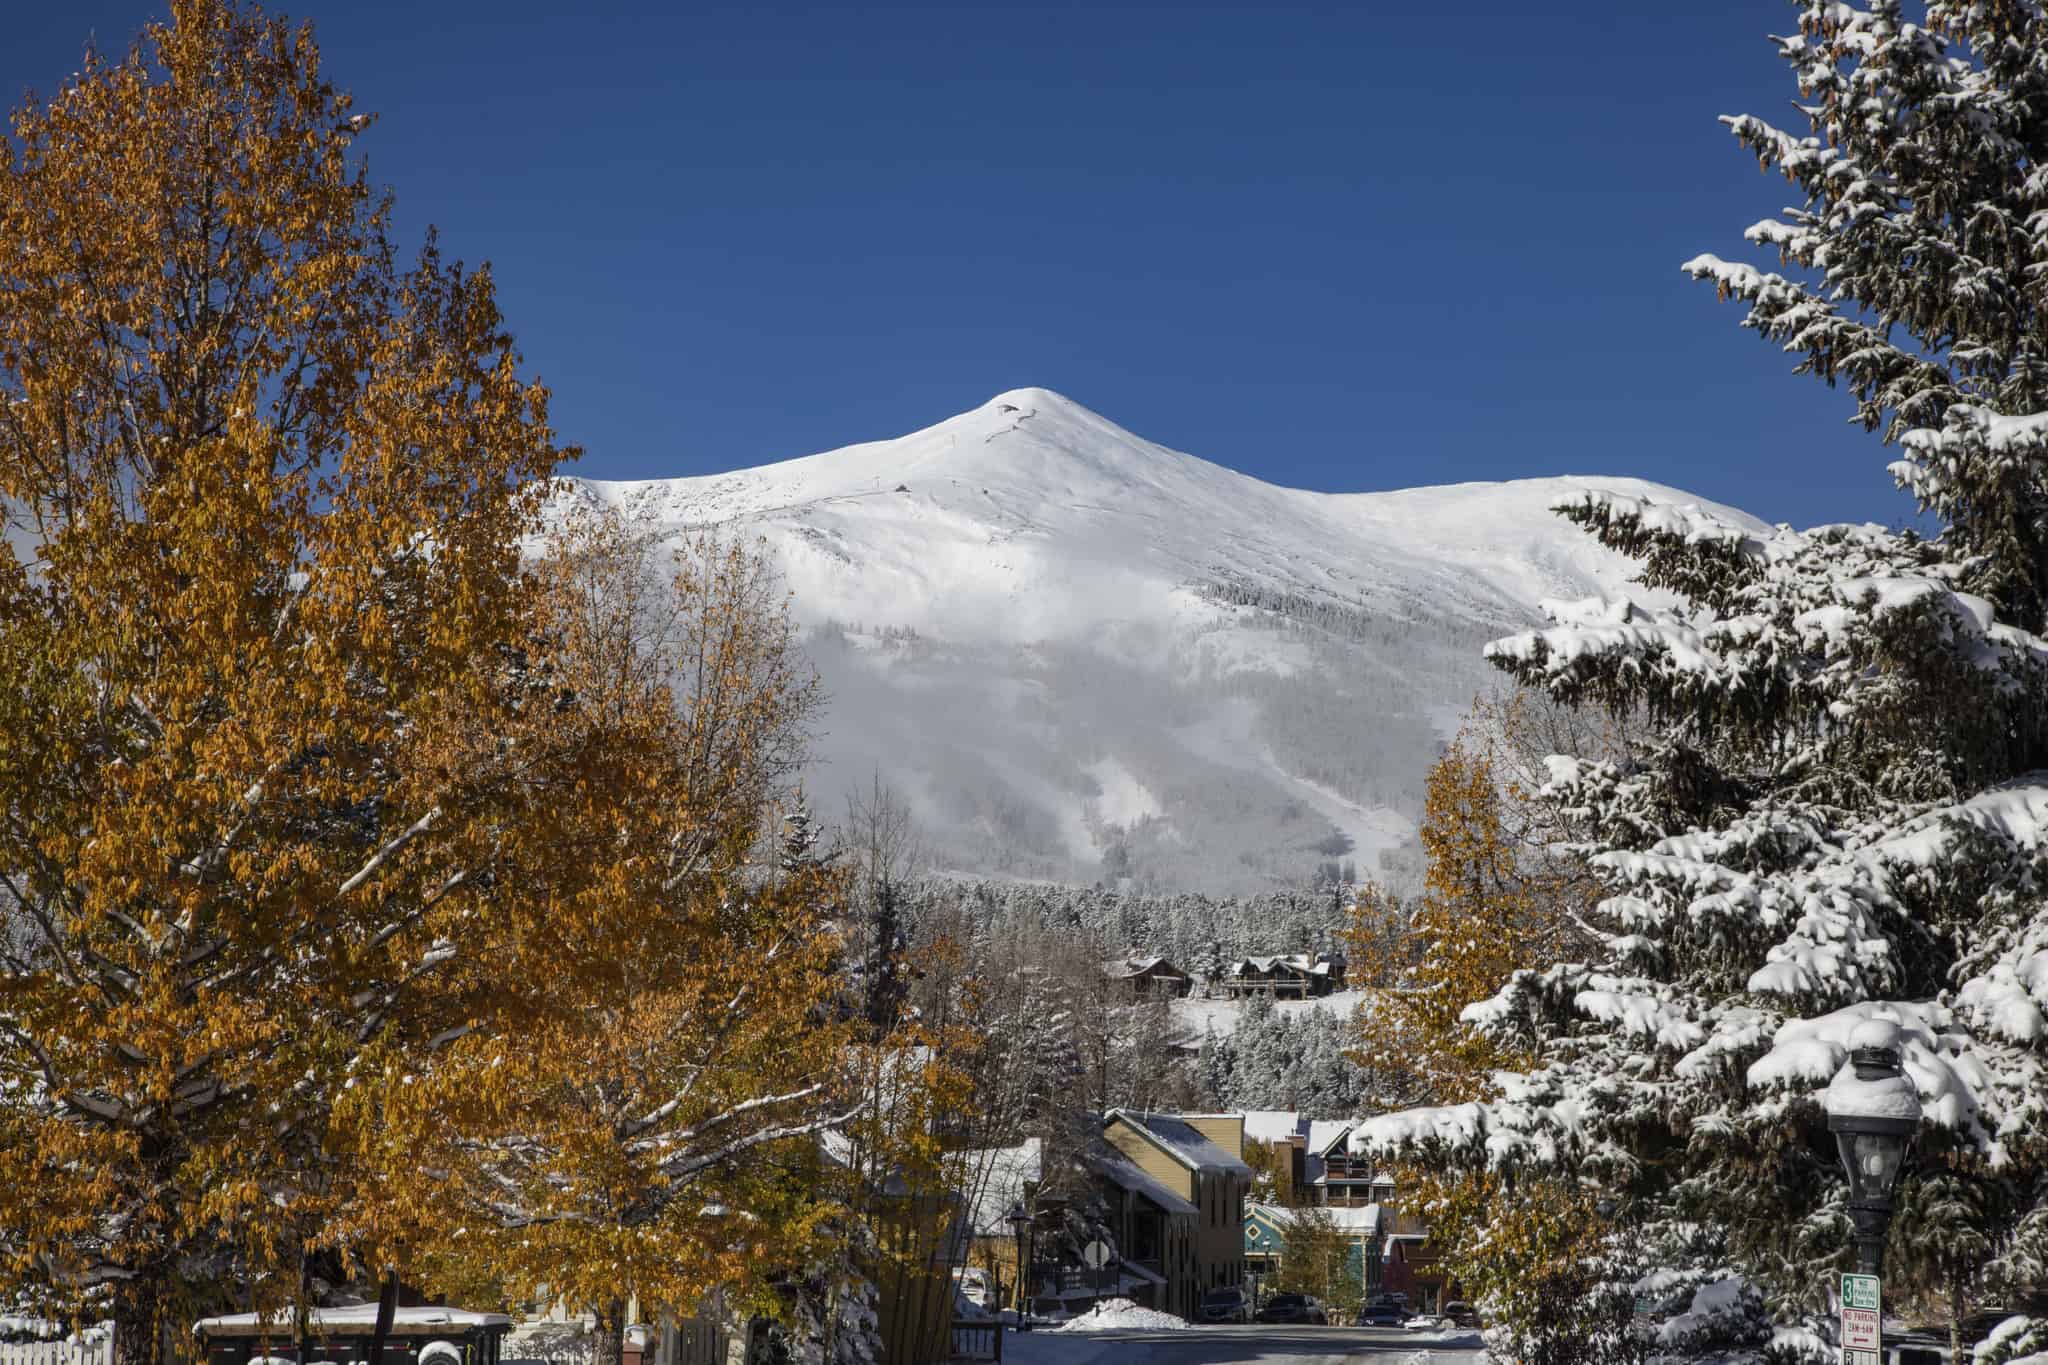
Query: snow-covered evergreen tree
[1844, 814]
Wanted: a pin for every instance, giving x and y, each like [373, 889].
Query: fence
[96, 1352]
[977, 1340]
[695, 1341]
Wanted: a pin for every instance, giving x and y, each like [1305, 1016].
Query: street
[1219, 1345]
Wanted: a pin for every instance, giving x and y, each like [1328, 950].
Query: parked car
[1294, 1308]
[1461, 1314]
[1382, 1314]
[1225, 1305]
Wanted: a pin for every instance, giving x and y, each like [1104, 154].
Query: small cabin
[1148, 978]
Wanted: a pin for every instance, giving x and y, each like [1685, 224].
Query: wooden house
[1147, 978]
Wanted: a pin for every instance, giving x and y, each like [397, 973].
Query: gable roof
[1000, 1175]
[1293, 964]
[1272, 1125]
[1323, 1134]
[1125, 1173]
[1179, 1139]
[1127, 968]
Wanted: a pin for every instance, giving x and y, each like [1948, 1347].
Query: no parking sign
[1862, 1321]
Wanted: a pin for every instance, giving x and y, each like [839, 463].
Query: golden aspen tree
[1483, 913]
[1498, 897]
[635, 1135]
[274, 759]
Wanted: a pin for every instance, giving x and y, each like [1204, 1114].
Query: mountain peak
[1077, 651]
[1031, 396]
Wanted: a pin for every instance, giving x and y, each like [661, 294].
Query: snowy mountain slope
[1081, 654]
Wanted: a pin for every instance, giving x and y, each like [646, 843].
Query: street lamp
[1020, 1223]
[1872, 1111]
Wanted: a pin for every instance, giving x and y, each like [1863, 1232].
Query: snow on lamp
[1873, 1110]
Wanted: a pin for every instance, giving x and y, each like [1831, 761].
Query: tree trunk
[608, 1347]
[387, 1310]
[142, 1311]
[1955, 1319]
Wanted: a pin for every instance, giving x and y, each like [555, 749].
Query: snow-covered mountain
[1080, 654]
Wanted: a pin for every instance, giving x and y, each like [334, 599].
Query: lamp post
[1872, 1111]
[1020, 1224]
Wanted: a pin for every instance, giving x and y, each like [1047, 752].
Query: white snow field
[1196, 1014]
[1079, 654]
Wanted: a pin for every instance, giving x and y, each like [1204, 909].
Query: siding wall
[1151, 1159]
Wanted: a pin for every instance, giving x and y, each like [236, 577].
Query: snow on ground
[1121, 1315]
[1197, 1014]
[1372, 830]
[1124, 800]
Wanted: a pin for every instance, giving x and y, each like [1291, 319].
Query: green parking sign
[1859, 1291]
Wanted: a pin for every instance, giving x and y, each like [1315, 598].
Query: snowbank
[1121, 1315]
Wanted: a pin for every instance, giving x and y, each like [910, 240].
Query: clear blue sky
[1345, 246]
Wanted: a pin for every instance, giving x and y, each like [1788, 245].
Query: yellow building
[1199, 1158]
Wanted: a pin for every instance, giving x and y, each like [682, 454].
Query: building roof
[360, 1317]
[1355, 1220]
[1182, 1141]
[1125, 1173]
[1323, 1134]
[1125, 968]
[1272, 1125]
[1264, 966]
[996, 1178]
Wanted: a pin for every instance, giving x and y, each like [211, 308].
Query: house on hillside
[1147, 978]
[1199, 1158]
[1294, 976]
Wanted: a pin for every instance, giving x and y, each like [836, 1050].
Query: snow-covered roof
[996, 1178]
[1361, 1218]
[1272, 1125]
[1127, 1174]
[1323, 1134]
[1266, 966]
[355, 1318]
[1322, 964]
[1360, 1221]
[1183, 1141]
[1124, 968]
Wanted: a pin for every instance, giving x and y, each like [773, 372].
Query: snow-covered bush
[2016, 1341]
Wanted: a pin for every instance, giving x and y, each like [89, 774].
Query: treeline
[1282, 1059]
[1187, 928]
